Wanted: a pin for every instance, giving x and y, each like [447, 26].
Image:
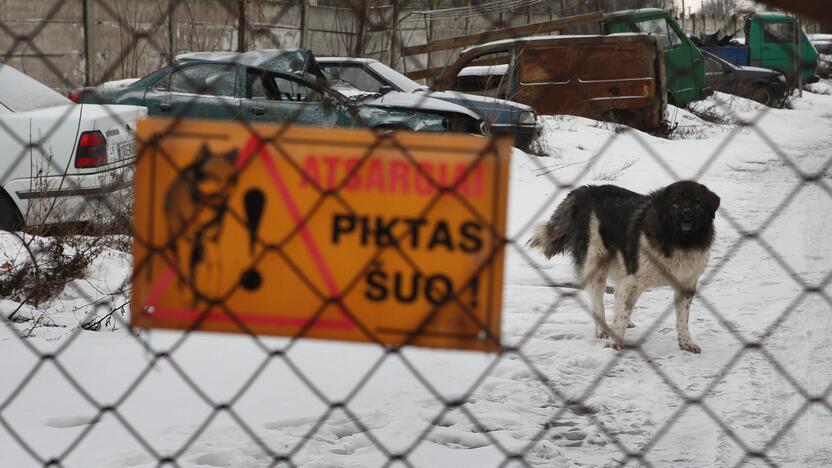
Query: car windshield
[347, 90]
[719, 60]
[396, 79]
[352, 76]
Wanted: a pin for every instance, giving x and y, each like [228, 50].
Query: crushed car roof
[278, 60]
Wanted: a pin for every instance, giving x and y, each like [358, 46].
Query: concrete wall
[74, 43]
[421, 29]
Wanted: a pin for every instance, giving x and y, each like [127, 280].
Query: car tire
[10, 219]
[763, 94]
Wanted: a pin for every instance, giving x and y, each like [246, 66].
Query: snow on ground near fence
[745, 292]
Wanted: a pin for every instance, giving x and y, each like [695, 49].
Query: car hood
[490, 109]
[396, 99]
[757, 73]
[756, 69]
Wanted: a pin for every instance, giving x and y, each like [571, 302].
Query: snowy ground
[564, 400]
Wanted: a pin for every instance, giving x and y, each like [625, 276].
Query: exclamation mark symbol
[475, 291]
[254, 201]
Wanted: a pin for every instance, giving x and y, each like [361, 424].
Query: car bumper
[523, 134]
[74, 198]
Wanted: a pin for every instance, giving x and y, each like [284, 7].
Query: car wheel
[763, 94]
[10, 219]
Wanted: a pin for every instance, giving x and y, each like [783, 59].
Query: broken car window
[210, 79]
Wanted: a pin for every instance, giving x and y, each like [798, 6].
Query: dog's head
[686, 208]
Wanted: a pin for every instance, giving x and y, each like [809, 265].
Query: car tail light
[76, 95]
[92, 150]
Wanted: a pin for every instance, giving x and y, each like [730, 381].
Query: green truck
[684, 63]
[775, 41]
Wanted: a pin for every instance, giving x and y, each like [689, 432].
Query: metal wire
[460, 403]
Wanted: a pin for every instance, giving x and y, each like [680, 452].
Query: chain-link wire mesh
[42, 368]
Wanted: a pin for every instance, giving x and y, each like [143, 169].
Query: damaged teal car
[277, 86]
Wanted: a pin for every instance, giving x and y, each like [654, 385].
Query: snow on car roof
[345, 59]
[279, 60]
[20, 92]
[484, 70]
[548, 38]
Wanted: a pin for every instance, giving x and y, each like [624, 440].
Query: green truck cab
[771, 42]
[684, 63]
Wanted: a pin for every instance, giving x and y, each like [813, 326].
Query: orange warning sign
[320, 233]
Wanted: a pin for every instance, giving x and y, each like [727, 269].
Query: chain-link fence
[82, 387]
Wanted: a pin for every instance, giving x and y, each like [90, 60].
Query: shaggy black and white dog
[640, 241]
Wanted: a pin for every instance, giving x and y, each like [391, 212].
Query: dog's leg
[626, 295]
[597, 285]
[682, 299]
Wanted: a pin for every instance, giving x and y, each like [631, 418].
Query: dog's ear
[712, 202]
[660, 199]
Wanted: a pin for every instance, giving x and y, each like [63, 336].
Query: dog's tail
[556, 235]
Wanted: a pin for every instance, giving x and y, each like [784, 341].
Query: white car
[60, 161]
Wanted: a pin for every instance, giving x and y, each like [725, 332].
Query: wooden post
[87, 16]
[429, 37]
[171, 31]
[797, 47]
[361, 10]
[394, 35]
[304, 23]
[242, 25]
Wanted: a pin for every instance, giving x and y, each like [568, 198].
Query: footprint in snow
[69, 421]
[457, 439]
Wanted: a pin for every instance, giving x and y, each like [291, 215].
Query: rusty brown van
[617, 78]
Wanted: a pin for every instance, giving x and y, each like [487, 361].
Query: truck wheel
[10, 219]
[763, 95]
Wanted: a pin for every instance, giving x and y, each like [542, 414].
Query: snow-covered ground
[563, 400]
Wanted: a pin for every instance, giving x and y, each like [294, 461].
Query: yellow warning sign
[320, 233]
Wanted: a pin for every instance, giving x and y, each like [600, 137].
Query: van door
[679, 62]
[547, 71]
[776, 44]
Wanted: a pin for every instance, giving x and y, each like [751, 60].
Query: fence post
[361, 11]
[171, 31]
[429, 34]
[85, 12]
[304, 22]
[242, 25]
[394, 35]
[797, 56]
